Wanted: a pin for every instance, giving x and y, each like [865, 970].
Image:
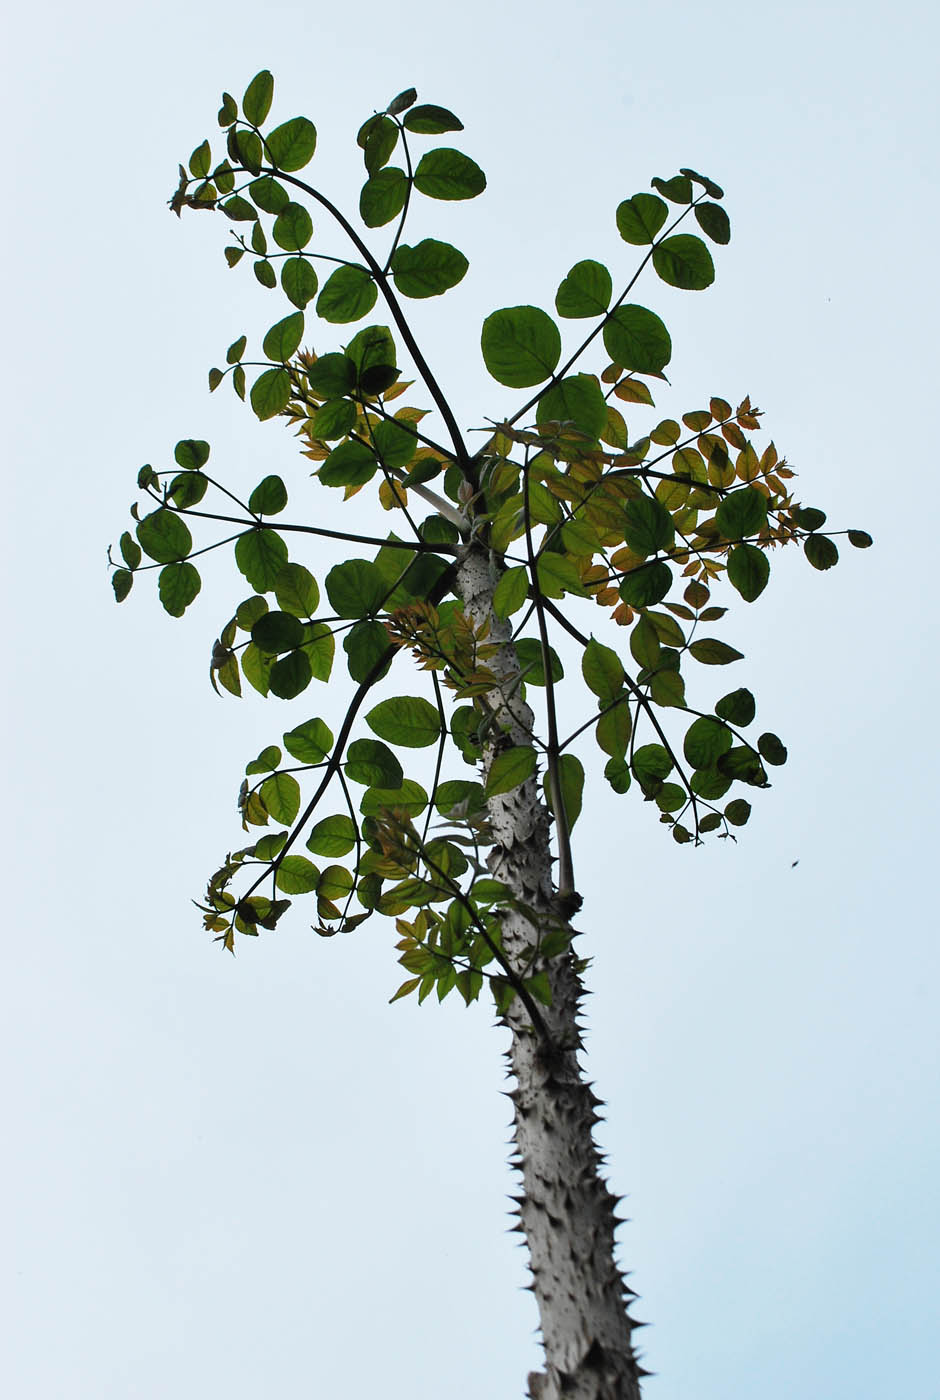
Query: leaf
[239, 210]
[771, 749]
[256, 668]
[677, 189]
[576, 399]
[618, 775]
[637, 340]
[737, 707]
[121, 581]
[292, 144]
[651, 764]
[712, 652]
[309, 742]
[529, 652]
[365, 645]
[260, 556]
[320, 648]
[130, 550]
[296, 875]
[348, 294]
[402, 102]
[281, 797]
[268, 761]
[647, 526]
[293, 228]
[428, 269]
[705, 741]
[335, 883]
[265, 273]
[179, 585]
[164, 536]
[200, 161]
[408, 720]
[372, 763]
[299, 281]
[333, 836]
[192, 453]
[738, 811]
[380, 140]
[283, 338]
[713, 220]
[742, 513]
[511, 591]
[269, 194]
[602, 670]
[645, 645]
[521, 346]
[820, 550]
[649, 584]
[509, 769]
[355, 588]
[228, 111]
[332, 375]
[667, 688]
[394, 444]
[428, 120]
[861, 539]
[748, 570]
[350, 464]
[383, 196]
[613, 730]
[276, 632]
[448, 174]
[410, 798]
[270, 393]
[296, 590]
[290, 675]
[639, 219]
[586, 291]
[256, 104]
[371, 348]
[269, 497]
[684, 261]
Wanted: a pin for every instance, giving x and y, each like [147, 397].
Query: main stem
[565, 1210]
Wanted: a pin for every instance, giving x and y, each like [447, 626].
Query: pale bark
[566, 1212]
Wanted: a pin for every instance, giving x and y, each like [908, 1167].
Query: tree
[499, 551]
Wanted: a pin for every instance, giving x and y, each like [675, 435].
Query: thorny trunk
[565, 1210]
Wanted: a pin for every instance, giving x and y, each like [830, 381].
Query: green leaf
[706, 740]
[130, 550]
[459, 793]
[256, 104]
[240, 211]
[332, 375]
[188, 489]
[410, 797]
[644, 644]
[293, 228]
[748, 570]
[269, 194]
[821, 551]
[738, 811]
[248, 612]
[713, 220]
[383, 196]
[380, 140]
[667, 688]
[586, 291]
[647, 525]
[394, 444]
[371, 348]
[428, 120]
[268, 761]
[709, 783]
[372, 763]
[333, 836]
[121, 581]
[309, 742]
[335, 883]
[771, 749]
[270, 393]
[164, 537]
[276, 632]
[290, 675]
[808, 518]
[447, 174]
[350, 464]
[269, 497]
[636, 339]
[283, 338]
[861, 539]
[299, 281]
[742, 513]
[643, 587]
[670, 797]
[256, 668]
[232, 356]
[260, 556]
[737, 707]
[511, 591]
[355, 588]
[651, 765]
[571, 778]
[365, 645]
[639, 219]
[191, 454]
[296, 590]
[743, 764]
[228, 112]
[200, 161]
[602, 670]
[428, 269]
[296, 875]
[618, 774]
[521, 346]
[711, 652]
[677, 189]
[348, 294]
[264, 271]
[292, 144]
[319, 649]
[576, 399]
[509, 769]
[402, 102]
[245, 149]
[613, 730]
[684, 261]
[408, 720]
[179, 585]
[281, 797]
[529, 652]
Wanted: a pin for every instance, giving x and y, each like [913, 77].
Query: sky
[254, 1176]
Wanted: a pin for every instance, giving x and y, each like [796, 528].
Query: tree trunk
[565, 1210]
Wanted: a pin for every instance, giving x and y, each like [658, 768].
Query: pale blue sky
[254, 1177]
